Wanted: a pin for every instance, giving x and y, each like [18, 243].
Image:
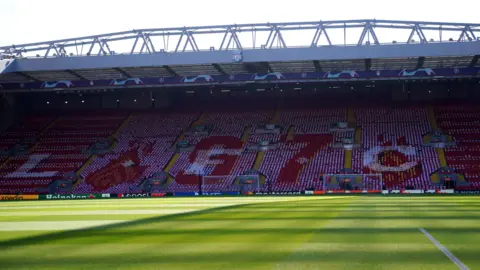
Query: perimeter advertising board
[69, 196]
[18, 197]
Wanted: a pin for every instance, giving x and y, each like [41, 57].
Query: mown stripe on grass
[54, 225]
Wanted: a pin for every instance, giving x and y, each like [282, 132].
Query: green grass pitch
[331, 232]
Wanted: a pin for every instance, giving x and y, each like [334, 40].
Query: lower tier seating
[390, 138]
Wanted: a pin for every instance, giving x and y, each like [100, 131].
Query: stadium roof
[268, 47]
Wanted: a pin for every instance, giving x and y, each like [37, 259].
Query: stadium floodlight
[83, 101]
[48, 102]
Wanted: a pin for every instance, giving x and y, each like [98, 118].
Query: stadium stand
[294, 118]
[143, 147]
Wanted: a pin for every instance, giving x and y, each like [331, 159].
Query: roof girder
[142, 41]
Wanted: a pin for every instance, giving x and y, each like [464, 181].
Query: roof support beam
[265, 67]
[147, 44]
[467, 34]
[250, 67]
[233, 37]
[275, 35]
[474, 61]
[420, 62]
[259, 67]
[59, 50]
[123, 72]
[170, 70]
[28, 76]
[318, 33]
[76, 74]
[104, 48]
[219, 69]
[368, 64]
[188, 36]
[368, 32]
[190, 40]
[417, 29]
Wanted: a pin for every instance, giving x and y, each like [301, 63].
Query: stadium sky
[40, 20]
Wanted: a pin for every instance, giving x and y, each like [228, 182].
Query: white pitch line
[445, 251]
